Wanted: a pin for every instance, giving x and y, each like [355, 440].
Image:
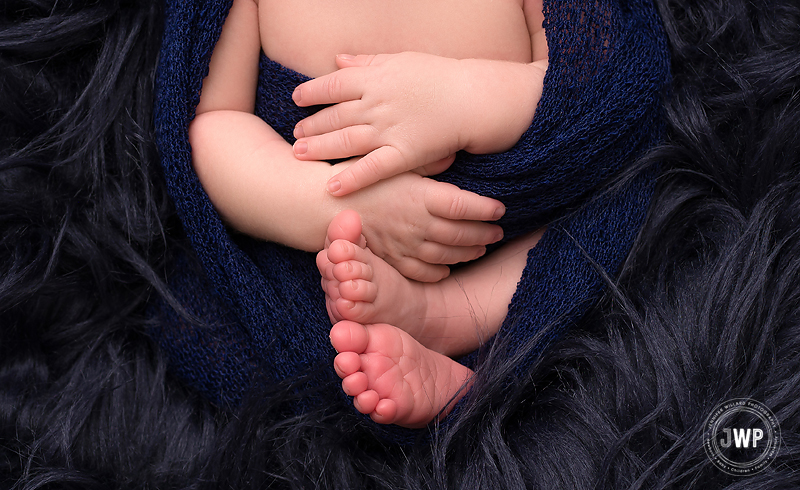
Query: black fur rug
[706, 310]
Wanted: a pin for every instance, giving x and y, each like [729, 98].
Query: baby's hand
[417, 224]
[402, 112]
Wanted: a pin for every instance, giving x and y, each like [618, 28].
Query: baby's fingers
[342, 143]
[379, 164]
[338, 116]
[463, 233]
[436, 253]
[449, 202]
[418, 270]
[339, 86]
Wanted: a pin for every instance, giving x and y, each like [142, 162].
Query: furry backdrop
[706, 309]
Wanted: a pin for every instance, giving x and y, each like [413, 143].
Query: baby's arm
[260, 188]
[412, 111]
[407, 110]
[255, 183]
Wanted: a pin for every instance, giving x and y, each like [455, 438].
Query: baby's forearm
[255, 182]
[503, 96]
[248, 170]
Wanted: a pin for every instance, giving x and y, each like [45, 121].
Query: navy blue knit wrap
[262, 304]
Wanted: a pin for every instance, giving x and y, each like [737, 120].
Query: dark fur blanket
[707, 307]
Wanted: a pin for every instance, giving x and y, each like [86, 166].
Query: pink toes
[367, 402]
[392, 377]
[357, 311]
[355, 384]
[385, 412]
[350, 337]
[351, 269]
[381, 410]
[336, 265]
[345, 226]
[346, 364]
[358, 290]
[341, 250]
[350, 340]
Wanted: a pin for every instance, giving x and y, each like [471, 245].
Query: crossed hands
[398, 114]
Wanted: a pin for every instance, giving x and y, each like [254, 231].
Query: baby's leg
[392, 377]
[453, 316]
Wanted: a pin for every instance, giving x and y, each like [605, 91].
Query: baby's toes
[366, 401]
[385, 411]
[324, 265]
[331, 288]
[355, 384]
[342, 250]
[349, 337]
[358, 290]
[334, 315]
[346, 364]
[352, 269]
[357, 311]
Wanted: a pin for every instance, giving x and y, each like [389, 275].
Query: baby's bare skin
[491, 53]
[247, 168]
[452, 316]
[306, 35]
[503, 96]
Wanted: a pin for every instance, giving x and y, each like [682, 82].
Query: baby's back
[306, 35]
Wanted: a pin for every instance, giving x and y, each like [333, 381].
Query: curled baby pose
[393, 335]
[387, 233]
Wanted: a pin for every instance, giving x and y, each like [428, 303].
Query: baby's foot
[344, 226]
[392, 377]
[362, 287]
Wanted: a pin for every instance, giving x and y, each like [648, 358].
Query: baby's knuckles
[394, 215]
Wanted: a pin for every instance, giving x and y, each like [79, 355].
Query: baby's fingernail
[300, 147]
[499, 212]
[298, 131]
[297, 95]
[334, 186]
[346, 57]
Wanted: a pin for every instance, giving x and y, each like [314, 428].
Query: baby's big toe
[345, 226]
[347, 336]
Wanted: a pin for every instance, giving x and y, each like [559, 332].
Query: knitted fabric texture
[262, 309]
